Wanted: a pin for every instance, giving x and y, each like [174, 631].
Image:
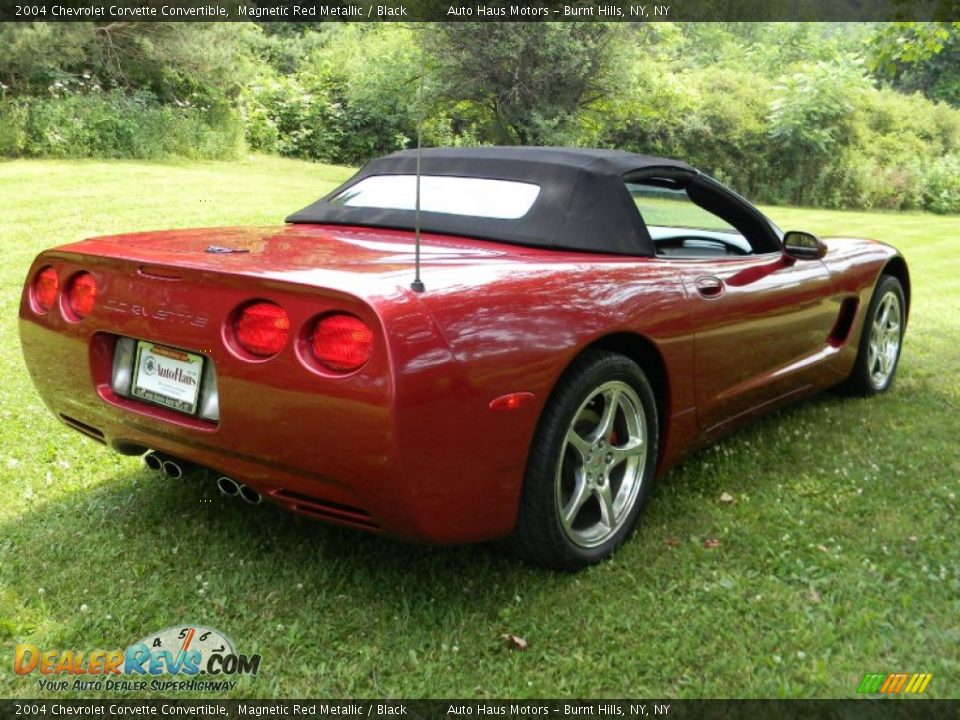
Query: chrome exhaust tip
[154, 461]
[172, 469]
[228, 487]
[250, 495]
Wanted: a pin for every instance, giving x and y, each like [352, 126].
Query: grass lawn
[837, 557]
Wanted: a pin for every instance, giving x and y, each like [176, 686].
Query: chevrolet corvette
[461, 345]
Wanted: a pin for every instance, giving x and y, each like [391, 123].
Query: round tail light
[45, 287]
[81, 294]
[262, 328]
[341, 342]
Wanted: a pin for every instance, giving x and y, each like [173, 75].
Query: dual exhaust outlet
[231, 488]
[175, 469]
[171, 467]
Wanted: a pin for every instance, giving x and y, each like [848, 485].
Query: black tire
[869, 375]
[559, 464]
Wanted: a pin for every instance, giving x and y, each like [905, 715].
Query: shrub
[941, 185]
[826, 138]
[811, 123]
[13, 134]
[116, 125]
[783, 114]
[294, 120]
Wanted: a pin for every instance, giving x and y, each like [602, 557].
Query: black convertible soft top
[583, 202]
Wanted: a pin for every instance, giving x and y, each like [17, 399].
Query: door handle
[710, 287]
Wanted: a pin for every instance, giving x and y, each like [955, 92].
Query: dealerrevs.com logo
[895, 683]
[197, 658]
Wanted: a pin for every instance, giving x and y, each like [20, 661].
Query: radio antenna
[417, 284]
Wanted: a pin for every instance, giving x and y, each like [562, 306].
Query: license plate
[167, 376]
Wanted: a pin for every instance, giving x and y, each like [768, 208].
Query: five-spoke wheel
[883, 347]
[601, 464]
[591, 464]
[879, 350]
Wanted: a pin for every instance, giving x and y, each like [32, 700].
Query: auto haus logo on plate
[187, 658]
[167, 376]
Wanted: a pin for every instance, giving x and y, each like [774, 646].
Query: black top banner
[265, 11]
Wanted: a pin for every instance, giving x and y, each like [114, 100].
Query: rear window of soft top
[475, 197]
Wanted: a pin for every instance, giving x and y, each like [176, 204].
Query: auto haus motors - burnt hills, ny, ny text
[603, 12]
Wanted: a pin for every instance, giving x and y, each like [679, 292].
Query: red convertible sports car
[580, 319]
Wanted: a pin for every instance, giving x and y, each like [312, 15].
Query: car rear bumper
[349, 458]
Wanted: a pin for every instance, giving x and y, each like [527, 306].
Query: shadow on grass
[146, 552]
[338, 612]
[150, 516]
[181, 521]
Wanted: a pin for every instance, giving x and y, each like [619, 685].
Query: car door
[761, 324]
[761, 319]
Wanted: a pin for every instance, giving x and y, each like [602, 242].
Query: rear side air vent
[88, 430]
[326, 510]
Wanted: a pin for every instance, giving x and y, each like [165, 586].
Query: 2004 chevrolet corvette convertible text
[588, 317]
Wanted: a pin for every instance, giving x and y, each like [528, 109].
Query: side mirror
[801, 245]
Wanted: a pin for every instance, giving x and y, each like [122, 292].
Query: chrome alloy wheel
[601, 464]
[884, 346]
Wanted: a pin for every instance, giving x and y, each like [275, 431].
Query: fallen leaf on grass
[814, 595]
[515, 642]
[711, 544]
[671, 542]
[726, 498]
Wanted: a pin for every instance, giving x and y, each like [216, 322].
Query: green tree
[530, 79]
[203, 62]
[811, 122]
[919, 57]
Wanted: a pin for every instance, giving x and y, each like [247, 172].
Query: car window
[672, 207]
[476, 197]
[679, 227]
[696, 242]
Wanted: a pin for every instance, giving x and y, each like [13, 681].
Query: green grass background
[838, 555]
